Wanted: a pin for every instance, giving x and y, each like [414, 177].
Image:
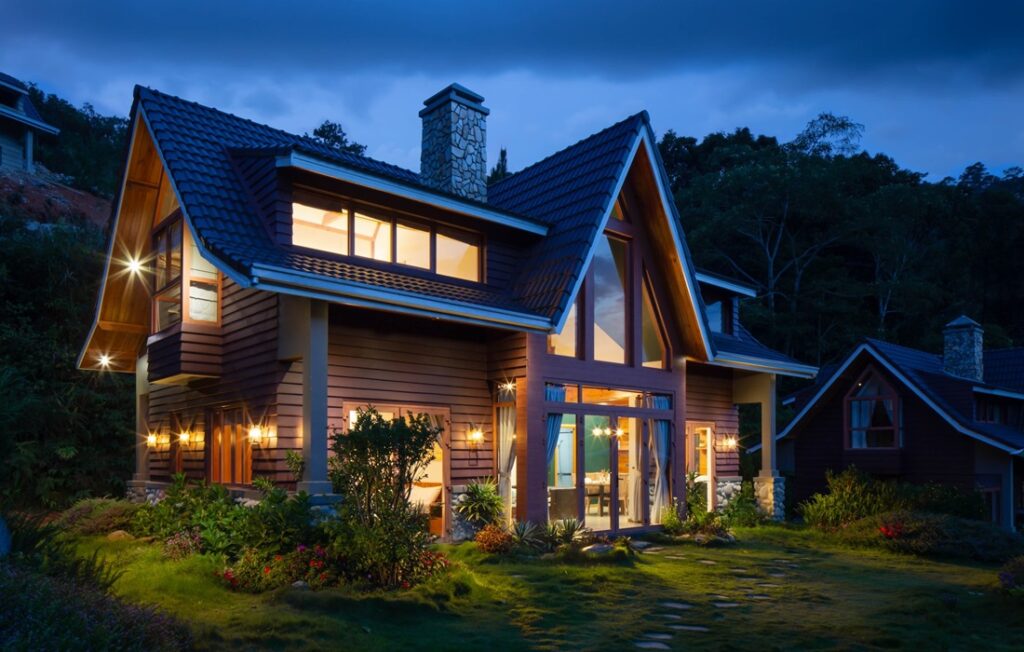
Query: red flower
[891, 530]
[266, 570]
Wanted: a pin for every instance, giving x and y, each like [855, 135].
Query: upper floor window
[184, 283]
[325, 224]
[652, 340]
[872, 414]
[720, 316]
[610, 282]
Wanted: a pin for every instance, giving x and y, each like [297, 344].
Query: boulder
[119, 535]
[640, 545]
[300, 585]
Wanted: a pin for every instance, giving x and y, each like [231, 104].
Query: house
[263, 287]
[901, 413]
[19, 124]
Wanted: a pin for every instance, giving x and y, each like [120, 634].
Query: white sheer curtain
[660, 442]
[506, 454]
[860, 419]
[635, 502]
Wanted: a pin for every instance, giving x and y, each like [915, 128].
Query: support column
[314, 402]
[531, 465]
[137, 485]
[769, 486]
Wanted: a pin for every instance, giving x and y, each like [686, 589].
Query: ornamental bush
[494, 540]
[97, 516]
[1011, 577]
[481, 505]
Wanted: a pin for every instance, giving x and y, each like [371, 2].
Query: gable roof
[562, 202]
[24, 111]
[951, 397]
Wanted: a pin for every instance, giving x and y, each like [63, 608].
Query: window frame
[393, 219]
[183, 280]
[890, 394]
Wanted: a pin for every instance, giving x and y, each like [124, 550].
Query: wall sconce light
[184, 437]
[134, 265]
[730, 443]
[508, 386]
[256, 435]
[104, 360]
[151, 440]
[475, 436]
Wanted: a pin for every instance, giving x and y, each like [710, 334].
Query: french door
[229, 453]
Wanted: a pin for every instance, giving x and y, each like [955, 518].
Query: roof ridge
[641, 115]
[303, 138]
[875, 340]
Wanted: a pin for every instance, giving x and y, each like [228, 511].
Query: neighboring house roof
[563, 201]
[951, 397]
[24, 111]
[741, 346]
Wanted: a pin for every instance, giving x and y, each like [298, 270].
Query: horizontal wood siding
[377, 359]
[249, 378]
[932, 450]
[709, 399]
[270, 194]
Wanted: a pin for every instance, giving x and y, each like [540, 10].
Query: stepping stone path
[768, 585]
[709, 562]
[655, 550]
[661, 636]
[651, 645]
[690, 628]
[747, 579]
[759, 596]
[776, 575]
[670, 616]
[725, 605]
[675, 605]
[675, 556]
[738, 570]
[640, 545]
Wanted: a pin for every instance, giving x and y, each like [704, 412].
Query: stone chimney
[454, 155]
[963, 354]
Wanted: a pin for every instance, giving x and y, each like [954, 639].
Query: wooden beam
[121, 327]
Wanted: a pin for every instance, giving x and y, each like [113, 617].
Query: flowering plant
[255, 572]
[892, 530]
[183, 544]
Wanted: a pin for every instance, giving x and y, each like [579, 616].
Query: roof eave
[764, 365]
[737, 288]
[306, 162]
[290, 281]
[39, 125]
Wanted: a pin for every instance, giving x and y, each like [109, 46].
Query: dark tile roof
[11, 81]
[1005, 368]
[741, 342]
[197, 144]
[570, 192]
[952, 394]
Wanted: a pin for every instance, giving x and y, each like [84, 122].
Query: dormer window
[178, 265]
[329, 225]
[872, 414]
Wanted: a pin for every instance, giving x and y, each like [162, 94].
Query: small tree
[333, 135]
[379, 534]
[500, 169]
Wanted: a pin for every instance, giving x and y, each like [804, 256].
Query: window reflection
[564, 342]
[372, 237]
[458, 255]
[653, 344]
[317, 228]
[412, 245]
[610, 265]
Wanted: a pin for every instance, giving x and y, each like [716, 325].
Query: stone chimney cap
[963, 321]
[455, 93]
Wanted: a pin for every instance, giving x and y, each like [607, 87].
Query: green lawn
[790, 589]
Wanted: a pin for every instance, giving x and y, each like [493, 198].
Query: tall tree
[333, 135]
[500, 169]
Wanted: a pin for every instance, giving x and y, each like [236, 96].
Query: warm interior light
[620, 432]
[255, 434]
[596, 432]
[104, 360]
[151, 440]
[608, 431]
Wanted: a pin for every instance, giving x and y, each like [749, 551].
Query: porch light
[151, 440]
[255, 435]
[184, 436]
[134, 265]
[104, 360]
[475, 436]
[508, 386]
[730, 443]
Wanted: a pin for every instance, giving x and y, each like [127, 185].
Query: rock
[640, 545]
[119, 535]
[302, 586]
[146, 539]
[5, 539]
[598, 549]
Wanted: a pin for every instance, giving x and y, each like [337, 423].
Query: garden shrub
[256, 571]
[853, 495]
[933, 535]
[377, 534]
[481, 505]
[1011, 577]
[38, 612]
[526, 536]
[183, 544]
[672, 518]
[97, 516]
[494, 539]
[41, 547]
[742, 510]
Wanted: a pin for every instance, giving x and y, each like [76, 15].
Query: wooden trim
[120, 327]
[892, 395]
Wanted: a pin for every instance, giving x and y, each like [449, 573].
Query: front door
[229, 456]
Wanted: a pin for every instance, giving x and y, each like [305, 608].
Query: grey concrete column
[141, 419]
[768, 465]
[314, 403]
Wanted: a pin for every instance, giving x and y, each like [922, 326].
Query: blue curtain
[553, 393]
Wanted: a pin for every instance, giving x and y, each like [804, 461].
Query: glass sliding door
[632, 485]
[598, 480]
[562, 490]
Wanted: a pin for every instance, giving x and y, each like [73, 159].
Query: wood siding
[250, 374]
[709, 400]
[932, 450]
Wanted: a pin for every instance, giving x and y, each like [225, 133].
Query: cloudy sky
[938, 84]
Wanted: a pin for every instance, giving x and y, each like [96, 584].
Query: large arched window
[872, 414]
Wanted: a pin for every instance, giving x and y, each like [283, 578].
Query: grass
[819, 596]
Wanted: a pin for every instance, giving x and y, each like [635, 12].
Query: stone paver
[651, 645]
[709, 562]
[769, 585]
[675, 605]
[776, 575]
[690, 628]
[738, 570]
[747, 579]
[725, 605]
[759, 596]
[670, 616]
[660, 636]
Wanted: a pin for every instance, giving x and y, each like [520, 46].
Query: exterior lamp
[151, 440]
[255, 435]
[104, 360]
[134, 265]
[475, 436]
[731, 443]
[508, 386]
[619, 432]
[184, 436]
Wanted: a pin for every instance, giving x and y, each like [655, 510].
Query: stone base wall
[727, 489]
[141, 492]
[458, 529]
[771, 496]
